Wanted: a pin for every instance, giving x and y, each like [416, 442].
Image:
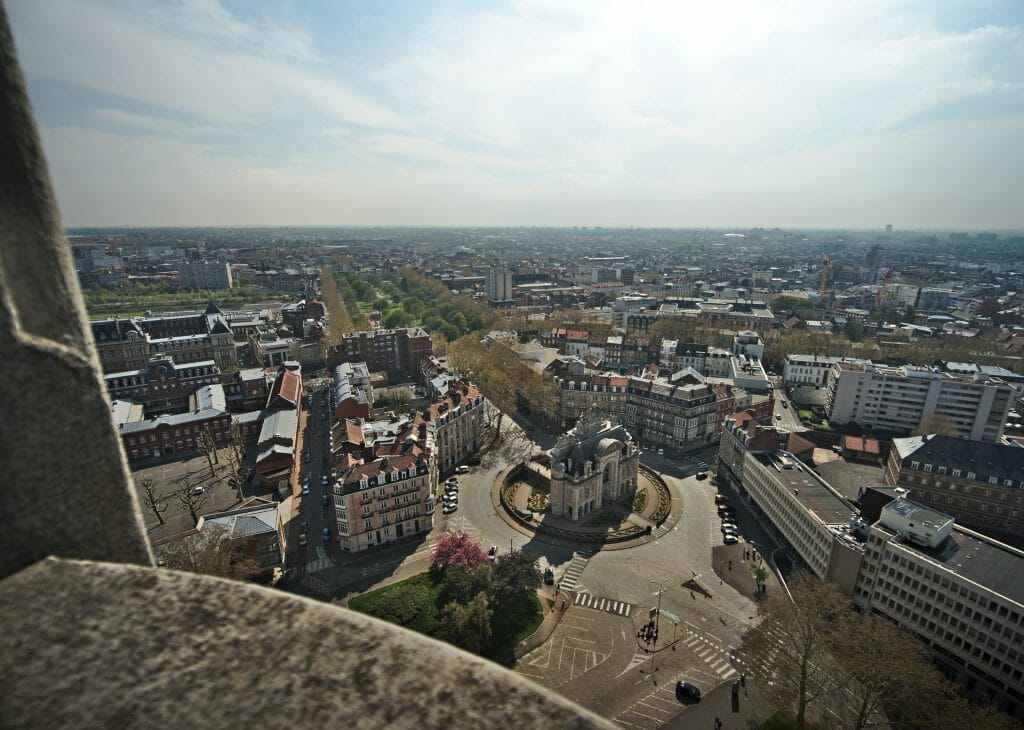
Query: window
[993, 480]
[970, 475]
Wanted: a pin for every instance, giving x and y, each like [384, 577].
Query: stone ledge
[91, 644]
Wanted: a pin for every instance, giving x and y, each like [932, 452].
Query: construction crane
[823, 284]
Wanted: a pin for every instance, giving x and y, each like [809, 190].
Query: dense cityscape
[824, 416]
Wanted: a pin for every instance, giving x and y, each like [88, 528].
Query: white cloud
[656, 112]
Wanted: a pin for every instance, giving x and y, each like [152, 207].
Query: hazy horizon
[800, 116]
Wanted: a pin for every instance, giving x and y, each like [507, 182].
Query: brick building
[162, 386]
[397, 351]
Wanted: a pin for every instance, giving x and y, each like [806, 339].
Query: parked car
[325, 534]
[492, 552]
[549, 576]
[303, 539]
[729, 526]
[687, 690]
[198, 492]
[701, 475]
[325, 480]
[661, 452]
[785, 404]
[462, 470]
[452, 480]
[778, 416]
[449, 508]
[730, 538]
[304, 527]
[721, 499]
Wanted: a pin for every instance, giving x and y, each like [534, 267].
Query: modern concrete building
[897, 399]
[594, 464]
[499, 284]
[807, 514]
[980, 484]
[961, 592]
[204, 275]
[810, 369]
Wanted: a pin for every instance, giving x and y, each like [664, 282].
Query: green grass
[412, 603]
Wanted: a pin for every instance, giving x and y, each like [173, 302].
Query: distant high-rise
[872, 262]
[499, 284]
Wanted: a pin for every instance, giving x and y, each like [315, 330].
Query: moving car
[198, 492]
[687, 690]
[303, 539]
[325, 534]
[492, 552]
[305, 488]
[549, 576]
[325, 479]
[778, 416]
[326, 500]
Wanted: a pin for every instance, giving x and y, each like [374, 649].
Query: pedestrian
[718, 724]
[743, 679]
[730, 565]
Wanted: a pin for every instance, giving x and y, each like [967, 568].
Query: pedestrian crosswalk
[571, 577]
[586, 600]
[714, 656]
[322, 562]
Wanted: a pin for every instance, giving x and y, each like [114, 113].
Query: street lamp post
[657, 617]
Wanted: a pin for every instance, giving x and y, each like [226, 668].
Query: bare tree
[191, 498]
[154, 504]
[937, 423]
[208, 448]
[794, 638]
[878, 664]
[210, 552]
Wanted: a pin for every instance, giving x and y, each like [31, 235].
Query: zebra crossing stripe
[580, 598]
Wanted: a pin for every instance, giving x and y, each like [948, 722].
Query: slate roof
[982, 458]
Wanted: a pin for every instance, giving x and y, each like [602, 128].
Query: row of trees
[157, 295]
[861, 668]
[506, 380]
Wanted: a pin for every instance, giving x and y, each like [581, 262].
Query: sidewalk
[562, 603]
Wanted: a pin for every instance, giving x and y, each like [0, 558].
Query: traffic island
[615, 527]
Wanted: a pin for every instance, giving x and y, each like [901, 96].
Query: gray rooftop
[811, 490]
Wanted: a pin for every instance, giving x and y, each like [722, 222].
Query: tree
[793, 638]
[459, 550]
[878, 664]
[467, 625]
[155, 504]
[208, 448]
[760, 577]
[190, 499]
[937, 423]
[210, 552]
[515, 579]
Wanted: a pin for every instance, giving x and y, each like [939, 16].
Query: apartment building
[175, 433]
[708, 361]
[382, 501]
[681, 413]
[810, 369]
[457, 423]
[162, 386]
[958, 590]
[397, 350]
[980, 484]
[897, 399]
[351, 392]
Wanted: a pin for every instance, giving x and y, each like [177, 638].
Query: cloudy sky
[783, 113]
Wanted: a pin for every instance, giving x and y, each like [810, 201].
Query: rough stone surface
[113, 645]
[66, 487]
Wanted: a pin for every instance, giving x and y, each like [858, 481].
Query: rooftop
[982, 458]
[810, 489]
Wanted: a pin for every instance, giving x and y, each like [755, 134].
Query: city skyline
[530, 114]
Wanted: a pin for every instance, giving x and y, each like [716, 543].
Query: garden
[483, 606]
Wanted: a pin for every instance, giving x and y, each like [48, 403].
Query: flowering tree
[457, 549]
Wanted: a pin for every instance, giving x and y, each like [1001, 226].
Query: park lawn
[412, 603]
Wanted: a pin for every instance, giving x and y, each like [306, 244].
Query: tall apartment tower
[499, 284]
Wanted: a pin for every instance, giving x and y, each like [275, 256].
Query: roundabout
[519, 496]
